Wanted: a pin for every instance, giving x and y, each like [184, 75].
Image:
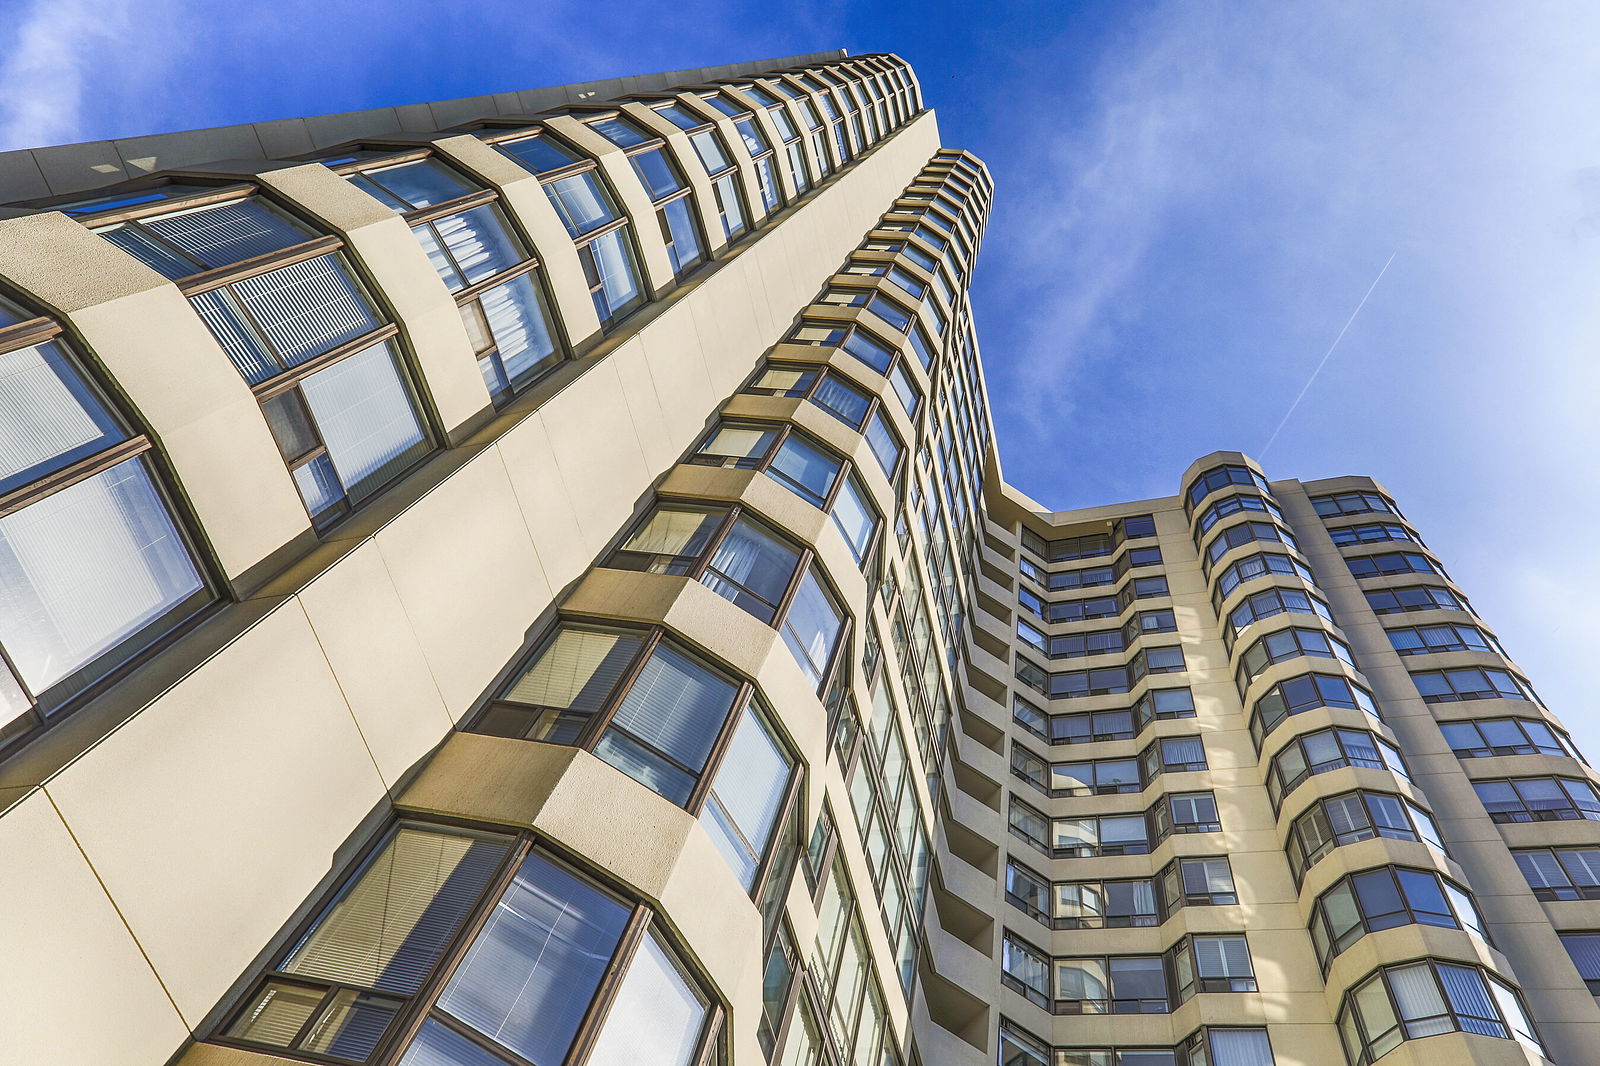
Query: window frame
[43, 709]
[419, 1006]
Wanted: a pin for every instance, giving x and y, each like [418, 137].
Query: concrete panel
[546, 505]
[604, 473]
[464, 566]
[362, 627]
[69, 168]
[86, 993]
[20, 177]
[247, 789]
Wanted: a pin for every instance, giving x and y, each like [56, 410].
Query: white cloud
[52, 55]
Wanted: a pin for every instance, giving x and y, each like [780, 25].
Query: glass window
[510, 331]
[411, 186]
[86, 569]
[205, 238]
[533, 970]
[812, 627]
[338, 988]
[747, 794]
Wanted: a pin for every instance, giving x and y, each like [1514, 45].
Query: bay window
[93, 567]
[587, 210]
[486, 266]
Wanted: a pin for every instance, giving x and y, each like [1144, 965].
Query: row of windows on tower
[326, 367]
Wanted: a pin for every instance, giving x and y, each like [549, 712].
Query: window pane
[306, 308]
[856, 518]
[685, 238]
[85, 568]
[811, 628]
[752, 568]
[423, 183]
[619, 278]
[805, 468]
[746, 795]
[479, 242]
[392, 922]
[437, 1045]
[538, 153]
[656, 1018]
[676, 706]
[581, 202]
[48, 417]
[577, 669]
[365, 416]
[229, 233]
[531, 973]
[520, 328]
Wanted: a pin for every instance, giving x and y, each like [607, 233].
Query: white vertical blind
[45, 414]
[307, 308]
[365, 417]
[229, 233]
[1240, 1047]
[86, 567]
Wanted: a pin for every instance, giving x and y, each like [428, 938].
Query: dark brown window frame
[52, 705]
[417, 1008]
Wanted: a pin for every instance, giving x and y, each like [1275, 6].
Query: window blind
[391, 924]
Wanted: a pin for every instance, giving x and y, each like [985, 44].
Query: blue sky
[1198, 193]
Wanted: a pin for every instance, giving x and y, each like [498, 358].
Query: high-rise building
[528, 581]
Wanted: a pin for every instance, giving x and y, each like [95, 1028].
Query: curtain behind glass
[479, 242]
[531, 973]
[391, 924]
[656, 1018]
[517, 323]
[48, 417]
[86, 567]
[366, 419]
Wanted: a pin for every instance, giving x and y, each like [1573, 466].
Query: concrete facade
[182, 820]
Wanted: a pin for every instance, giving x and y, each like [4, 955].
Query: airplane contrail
[1328, 354]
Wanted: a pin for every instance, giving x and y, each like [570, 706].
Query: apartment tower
[527, 581]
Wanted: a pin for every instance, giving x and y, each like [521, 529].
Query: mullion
[409, 1020]
[719, 747]
[598, 722]
[588, 1032]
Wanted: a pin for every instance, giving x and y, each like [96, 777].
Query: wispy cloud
[54, 49]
